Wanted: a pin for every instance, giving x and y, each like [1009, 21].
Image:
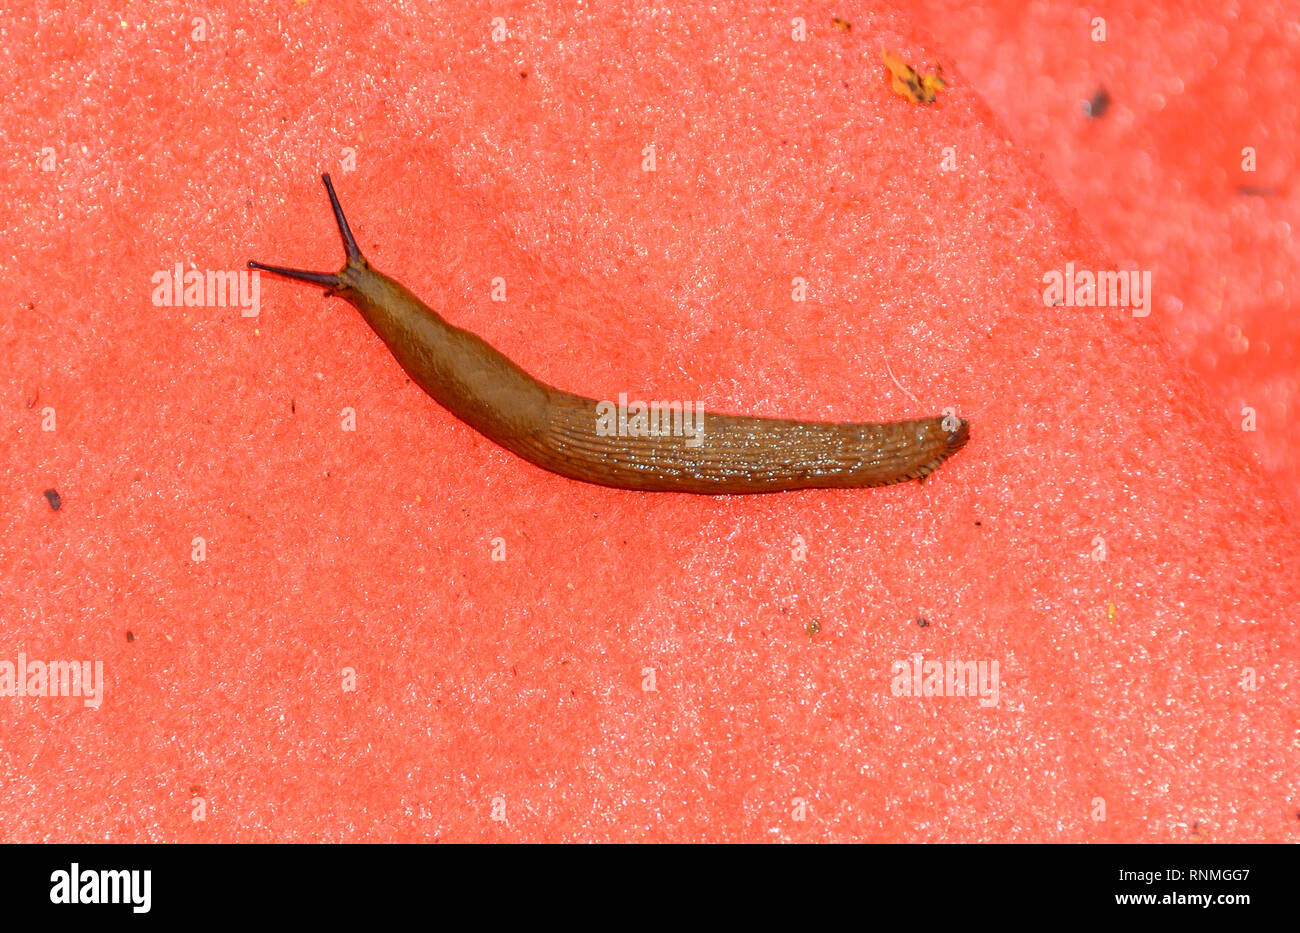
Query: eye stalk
[331, 280]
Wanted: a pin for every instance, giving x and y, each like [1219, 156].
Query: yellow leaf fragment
[919, 89]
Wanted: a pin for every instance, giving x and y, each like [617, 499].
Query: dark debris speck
[1096, 106]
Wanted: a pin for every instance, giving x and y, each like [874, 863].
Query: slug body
[561, 432]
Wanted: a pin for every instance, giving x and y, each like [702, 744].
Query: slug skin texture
[562, 432]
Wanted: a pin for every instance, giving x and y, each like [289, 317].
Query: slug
[571, 435]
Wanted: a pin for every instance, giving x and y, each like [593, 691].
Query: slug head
[340, 281]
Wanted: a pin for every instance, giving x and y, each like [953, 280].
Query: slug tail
[957, 439]
[953, 442]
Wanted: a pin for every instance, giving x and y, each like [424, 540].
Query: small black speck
[293, 406]
[1098, 104]
[923, 621]
[977, 523]
[523, 75]
[130, 637]
[54, 499]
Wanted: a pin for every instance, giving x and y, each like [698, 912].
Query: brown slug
[579, 438]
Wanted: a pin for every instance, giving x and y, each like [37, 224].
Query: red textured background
[1126, 681]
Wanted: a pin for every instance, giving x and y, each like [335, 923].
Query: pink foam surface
[1143, 696]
